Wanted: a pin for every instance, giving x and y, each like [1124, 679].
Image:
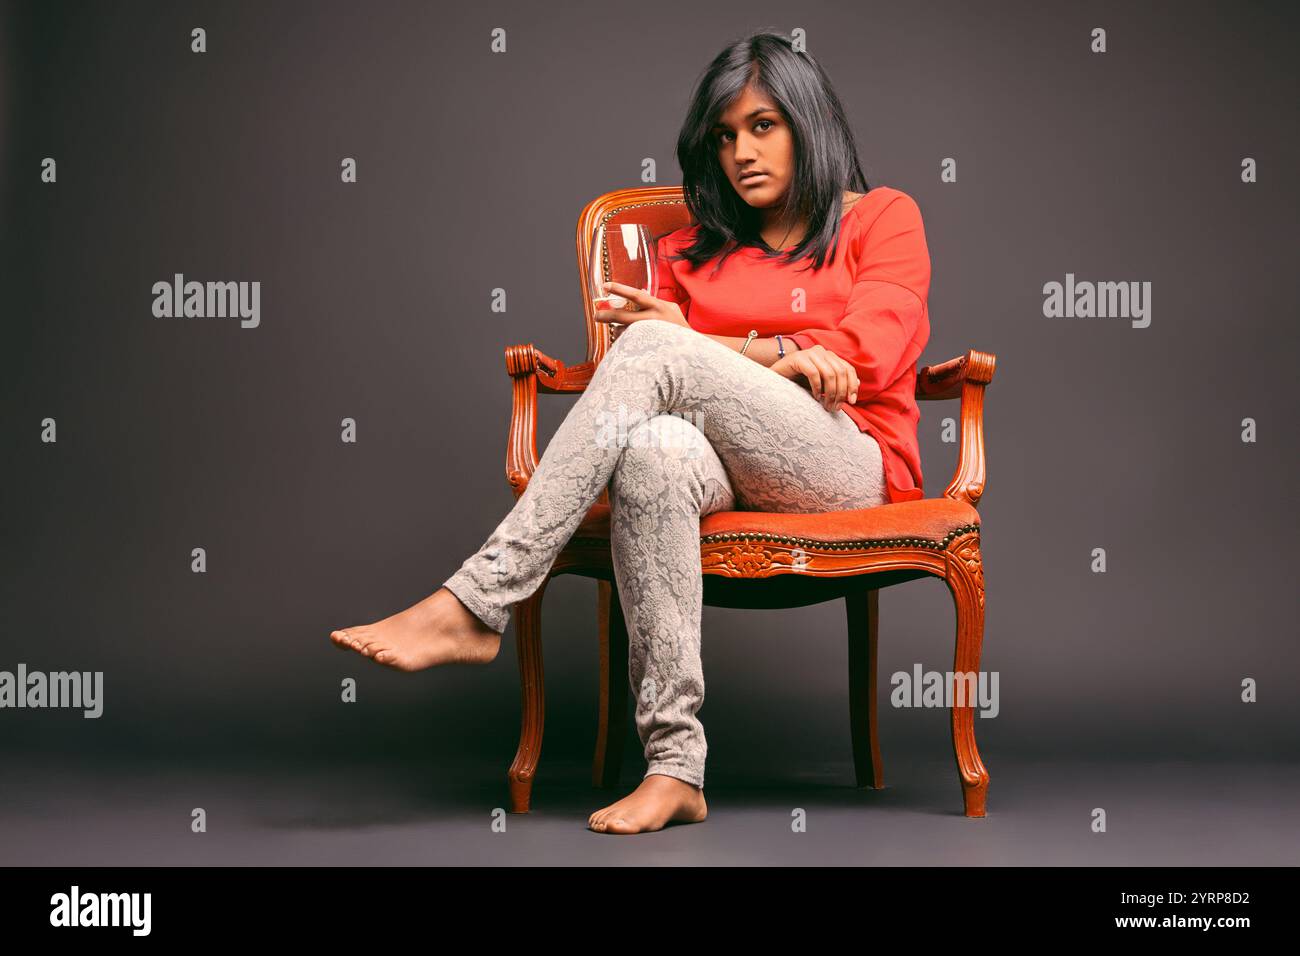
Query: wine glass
[621, 252]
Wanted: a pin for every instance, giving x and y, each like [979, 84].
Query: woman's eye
[722, 137]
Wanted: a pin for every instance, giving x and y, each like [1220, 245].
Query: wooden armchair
[759, 559]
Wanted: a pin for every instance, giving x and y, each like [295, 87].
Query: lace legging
[677, 426]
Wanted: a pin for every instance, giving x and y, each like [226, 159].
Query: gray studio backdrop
[472, 168]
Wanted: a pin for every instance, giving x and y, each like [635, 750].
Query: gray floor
[68, 812]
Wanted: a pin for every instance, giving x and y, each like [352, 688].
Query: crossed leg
[782, 450]
[775, 442]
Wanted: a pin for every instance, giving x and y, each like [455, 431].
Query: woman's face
[753, 137]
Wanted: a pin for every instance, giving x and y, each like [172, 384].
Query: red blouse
[868, 307]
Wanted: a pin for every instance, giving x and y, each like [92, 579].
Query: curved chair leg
[862, 608]
[528, 646]
[966, 582]
[611, 728]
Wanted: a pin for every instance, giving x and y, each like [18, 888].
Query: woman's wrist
[782, 346]
[770, 350]
[764, 351]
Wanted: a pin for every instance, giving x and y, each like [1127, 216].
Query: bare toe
[436, 630]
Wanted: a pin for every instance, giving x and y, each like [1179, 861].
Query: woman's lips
[756, 178]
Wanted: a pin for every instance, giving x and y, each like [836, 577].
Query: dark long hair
[825, 154]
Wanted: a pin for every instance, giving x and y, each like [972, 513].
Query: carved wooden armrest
[531, 369]
[965, 376]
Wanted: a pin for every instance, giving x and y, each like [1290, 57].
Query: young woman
[814, 413]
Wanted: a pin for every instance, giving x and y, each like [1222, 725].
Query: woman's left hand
[648, 307]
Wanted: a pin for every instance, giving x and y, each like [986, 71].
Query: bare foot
[659, 800]
[438, 630]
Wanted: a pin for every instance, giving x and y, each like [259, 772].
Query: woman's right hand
[831, 379]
